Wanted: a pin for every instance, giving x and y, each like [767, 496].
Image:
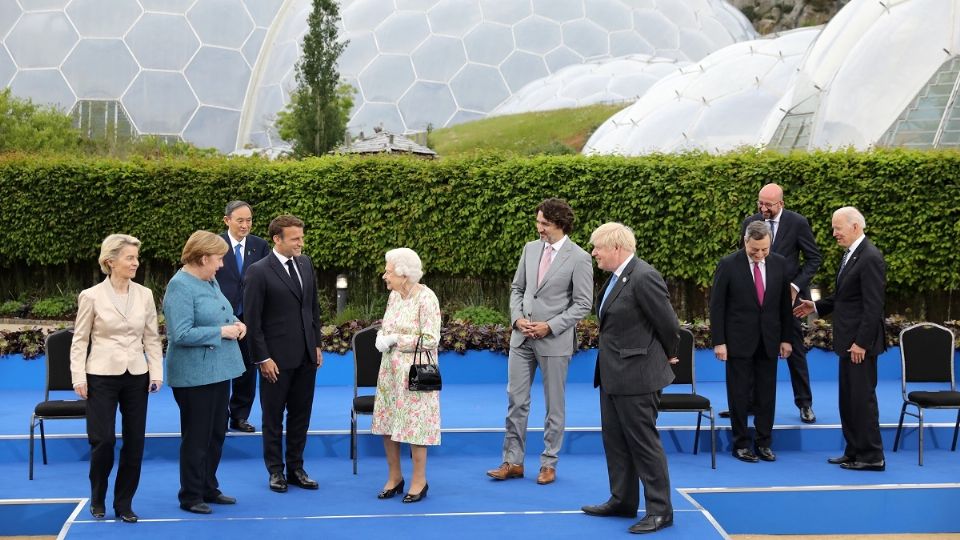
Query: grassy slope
[527, 133]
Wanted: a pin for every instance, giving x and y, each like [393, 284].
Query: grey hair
[757, 230]
[852, 215]
[111, 247]
[232, 206]
[406, 263]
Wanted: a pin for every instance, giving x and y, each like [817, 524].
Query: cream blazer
[116, 344]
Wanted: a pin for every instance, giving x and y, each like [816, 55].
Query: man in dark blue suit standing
[245, 249]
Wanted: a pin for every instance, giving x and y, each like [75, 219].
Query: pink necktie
[758, 282]
[545, 261]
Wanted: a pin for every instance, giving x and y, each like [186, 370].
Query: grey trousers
[521, 366]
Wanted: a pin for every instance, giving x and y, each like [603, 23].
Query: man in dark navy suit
[751, 324]
[245, 249]
[858, 338]
[283, 328]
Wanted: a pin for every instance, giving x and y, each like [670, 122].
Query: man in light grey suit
[551, 292]
[639, 336]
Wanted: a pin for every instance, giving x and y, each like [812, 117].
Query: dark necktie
[293, 274]
[843, 263]
[773, 230]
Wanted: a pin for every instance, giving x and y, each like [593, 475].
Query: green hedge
[470, 216]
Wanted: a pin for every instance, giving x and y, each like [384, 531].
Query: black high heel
[390, 492]
[411, 498]
[98, 511]
[127, 516]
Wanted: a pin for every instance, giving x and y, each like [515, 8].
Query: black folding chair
[58, 378]
[685, 373]
[366, 367]
[926, 356]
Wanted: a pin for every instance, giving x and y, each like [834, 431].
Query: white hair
[852, 215]
[406, 263]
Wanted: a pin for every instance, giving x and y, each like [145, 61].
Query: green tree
[27, 127]
[316, 117]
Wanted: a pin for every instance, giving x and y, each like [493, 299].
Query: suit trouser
[752, 381]
[633, 450]
[799, 373]
[104, 394]
[203, 428]
[521, 367]
[292, 392]
[859, 414]
[244, 386]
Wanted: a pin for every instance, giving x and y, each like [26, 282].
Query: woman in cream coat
[115, 359]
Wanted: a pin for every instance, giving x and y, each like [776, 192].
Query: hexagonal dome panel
[454, 17]
[504, 11]
[372, 115]
[161, 41]
[537, 35]
[416, 4]
[43, 5]
[416, 116]
[167, 6]
[159, 102]
[223, 23]
[479, 88]
[585, 38]
[612, 15]
[251, 49]
[362, 50]
[263, 11]
[9, 13]
[365, 14]
[43, 86]
[387, 78]
[656, 28]
[30, 52]
[7, 67]
[522, 68]
[213, 128]
[489, 43]
[100, 69]
[438, 59]
[559, 10]
[219, 77]
[103, 18]
[402, 32]
[561, 57]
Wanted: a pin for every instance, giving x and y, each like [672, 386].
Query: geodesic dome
[716, 105]
[610, 80]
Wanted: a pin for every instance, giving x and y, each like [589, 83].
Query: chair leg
[921, 436]
[713, 442]
[43, 442]
[955, 429]
[353, 439]
[33, 424]
[896, 439]
[696, 437]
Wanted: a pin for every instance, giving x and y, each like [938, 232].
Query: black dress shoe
[744, 454]
[807, 416]
[764, 453]
[98, 510]
[299, 478]
[411, 498]
[278, 483]
[724, 414]
[241, 424]
[197, 508]
[840, 460]
[651, 524]
[127, 516]
[864, 466]
[389, 493]
[607, 509]
[220, 499]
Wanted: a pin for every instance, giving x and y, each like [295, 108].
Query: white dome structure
[610, 80]
[716, 105]
[881, 74]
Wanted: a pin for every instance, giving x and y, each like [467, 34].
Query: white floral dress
[409, 417]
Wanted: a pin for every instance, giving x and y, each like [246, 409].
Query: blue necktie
[606, 293]
[238, 253]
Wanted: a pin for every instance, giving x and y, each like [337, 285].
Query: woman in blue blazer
[202, 358]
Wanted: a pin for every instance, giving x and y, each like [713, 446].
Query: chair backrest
[366, 358]
[926, 354]
[684, 371]
[58, 361]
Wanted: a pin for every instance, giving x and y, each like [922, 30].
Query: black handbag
[424, 374]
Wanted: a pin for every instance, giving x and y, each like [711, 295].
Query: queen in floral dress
[400, 415]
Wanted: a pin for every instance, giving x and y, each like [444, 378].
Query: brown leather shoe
[547, 475]
[506, 471]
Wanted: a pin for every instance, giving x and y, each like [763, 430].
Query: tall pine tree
[316, 117]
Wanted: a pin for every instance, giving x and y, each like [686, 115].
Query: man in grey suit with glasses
[551, 291]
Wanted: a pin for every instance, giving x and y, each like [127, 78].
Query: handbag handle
[419, 351]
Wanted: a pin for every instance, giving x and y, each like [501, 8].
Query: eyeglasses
[761, 204]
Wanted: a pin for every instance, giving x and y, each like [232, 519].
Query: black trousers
[105, 393]
[752, 380]
[293, 393]
[244, 387]
[799, 373]
[203, 428]
[859, 414]
[633, 450]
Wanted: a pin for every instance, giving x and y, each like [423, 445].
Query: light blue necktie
[238, 253]
[606, 293]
